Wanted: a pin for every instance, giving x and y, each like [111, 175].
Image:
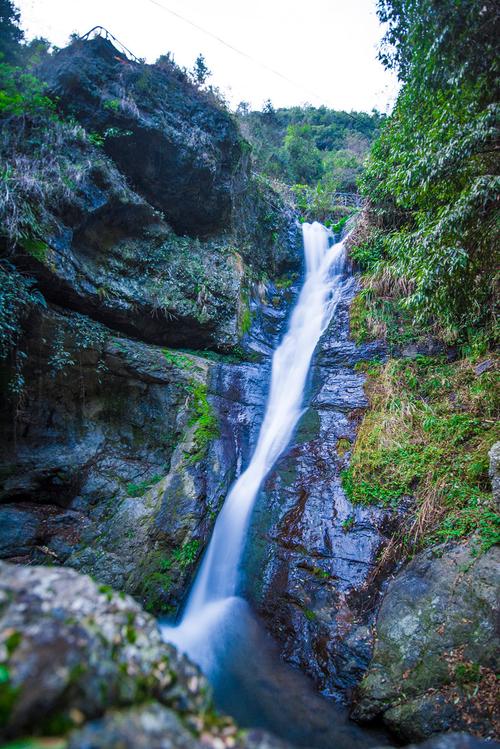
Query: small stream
[218, 630]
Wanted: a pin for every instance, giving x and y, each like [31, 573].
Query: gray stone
[436, 647]
[71, 649]
[147, 727]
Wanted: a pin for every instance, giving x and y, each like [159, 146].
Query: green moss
[285, 281]
[310, 615]
[139, 489]
[107, 591]
[245, 319]
[204, 420]
[467, 673]
[427, 435]
[178, 359]
[320, 573]
[131, 634]
[348, 523]
[35, 247]
[8, 695]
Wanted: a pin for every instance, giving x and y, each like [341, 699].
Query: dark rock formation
[179, 148]
[72, 649]
[311, 553]
[437, 645]
[106, 464]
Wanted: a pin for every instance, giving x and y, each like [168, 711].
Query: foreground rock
[436, 650]
[156, 727]
[71, 649]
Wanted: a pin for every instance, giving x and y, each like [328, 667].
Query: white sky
[327, 48]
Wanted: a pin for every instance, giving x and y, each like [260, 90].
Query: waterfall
[214, 592]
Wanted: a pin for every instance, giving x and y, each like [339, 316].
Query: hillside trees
[433, 174]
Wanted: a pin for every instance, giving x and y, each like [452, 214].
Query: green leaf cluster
[432, 175]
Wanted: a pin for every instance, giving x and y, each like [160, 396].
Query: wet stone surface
[310, 552]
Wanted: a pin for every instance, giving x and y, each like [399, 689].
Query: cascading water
[201, 629]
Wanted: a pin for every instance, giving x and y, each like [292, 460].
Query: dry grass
[427, 436]
[44, 167]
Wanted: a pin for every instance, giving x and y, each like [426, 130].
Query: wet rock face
[311, 553]
[71, 649]
[101, 469]
[179, 149]
[436, 650]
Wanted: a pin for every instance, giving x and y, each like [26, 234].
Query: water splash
[214, 593]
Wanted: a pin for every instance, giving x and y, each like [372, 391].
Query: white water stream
[214, 592]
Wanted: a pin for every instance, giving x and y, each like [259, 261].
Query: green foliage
[140, 488]
[320, 203]
[348, 523]
[369, 253]
[17, 297]
[158, 582]
[302, 144]
[302, 154]
[467, 673]
[204, 420]
[310, 615]
[432, 176]
[13, 641]
[178, 359]
[21, 94]
[10, 33]
[320, 150]
[80, 333]
[427, 435]
[42, 167]
[186, 555]
[200, 72]
[8, 695]
[245, 314]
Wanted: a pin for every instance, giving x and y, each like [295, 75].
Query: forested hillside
[317, 151]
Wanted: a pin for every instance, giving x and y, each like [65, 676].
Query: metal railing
[105, 34]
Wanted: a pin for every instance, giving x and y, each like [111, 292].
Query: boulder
[71, 649]
[436, 647]
[177, 145]
[154, 726]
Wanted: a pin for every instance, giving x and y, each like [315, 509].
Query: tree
[433, 175]
[200, 72]
[304, 158]
[10, 32]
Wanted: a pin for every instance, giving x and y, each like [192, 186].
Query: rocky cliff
[137, 219]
